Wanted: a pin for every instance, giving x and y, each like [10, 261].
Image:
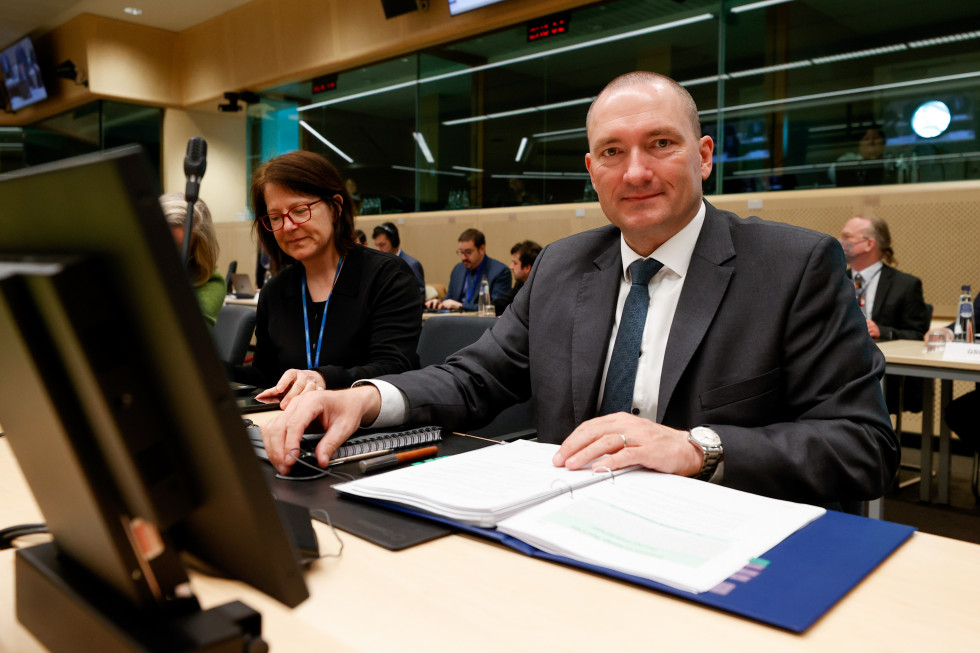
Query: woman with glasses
[332, 313]
[202, 255]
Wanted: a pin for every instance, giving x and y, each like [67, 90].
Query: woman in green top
[209, 286]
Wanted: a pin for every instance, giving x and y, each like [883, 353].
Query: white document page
[677, 531]
[478, 487]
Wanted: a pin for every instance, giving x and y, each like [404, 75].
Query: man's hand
[450, 304]
[629, 440]
[340, 412]
[873, 330]
[432, 303]
[292, 384]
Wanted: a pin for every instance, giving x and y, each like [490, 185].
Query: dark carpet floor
[960, 519]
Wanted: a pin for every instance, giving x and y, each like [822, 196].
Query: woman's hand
[292, 384]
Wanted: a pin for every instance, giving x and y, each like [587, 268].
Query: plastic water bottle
[483, 301]
[963, 328]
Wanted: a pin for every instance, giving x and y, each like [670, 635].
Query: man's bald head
[642, 77]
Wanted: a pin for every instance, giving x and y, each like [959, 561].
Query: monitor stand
[66, 609]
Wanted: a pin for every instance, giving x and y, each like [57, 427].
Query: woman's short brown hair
[309, 174]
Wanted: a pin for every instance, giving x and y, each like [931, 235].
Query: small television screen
[457, 7]
[22, 74]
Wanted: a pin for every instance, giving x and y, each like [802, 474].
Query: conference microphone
[195, 162]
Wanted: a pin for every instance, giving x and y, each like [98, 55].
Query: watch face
[705, 436]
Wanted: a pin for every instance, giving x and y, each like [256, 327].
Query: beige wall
[224, 187]
[934, 228]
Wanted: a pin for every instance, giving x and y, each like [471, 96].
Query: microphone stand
[195, 162]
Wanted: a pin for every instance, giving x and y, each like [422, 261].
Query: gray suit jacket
[767, 347]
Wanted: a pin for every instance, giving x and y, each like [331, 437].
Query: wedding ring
[623, 435]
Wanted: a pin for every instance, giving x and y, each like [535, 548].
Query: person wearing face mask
[891, 300]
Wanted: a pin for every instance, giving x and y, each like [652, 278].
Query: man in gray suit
[752, 350]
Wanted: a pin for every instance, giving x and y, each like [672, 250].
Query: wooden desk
[244, 301]
[909, 358]
[463, 594]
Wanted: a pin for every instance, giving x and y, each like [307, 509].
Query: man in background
[866, 167]
[386, 239]
[474, 266]
[522, 257]
[891, 300]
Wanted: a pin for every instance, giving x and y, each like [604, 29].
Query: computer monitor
[112, 396]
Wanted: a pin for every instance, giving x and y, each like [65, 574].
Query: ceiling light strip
[420, 139]
[357, 96]
[305, 125]
[560, 132]
[520, 149]
[850, 91]
[757, 5]
[771, 69]
[949, 38]
[871, 52]
[428, 171]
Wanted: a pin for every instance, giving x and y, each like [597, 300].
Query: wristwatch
[709, 443]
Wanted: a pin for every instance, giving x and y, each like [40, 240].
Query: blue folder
[791, 586]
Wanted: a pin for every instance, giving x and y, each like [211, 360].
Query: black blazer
[770, 351]
[901, 314]
[373, 323]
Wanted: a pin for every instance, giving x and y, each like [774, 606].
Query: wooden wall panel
[133, 63]
[934, 228]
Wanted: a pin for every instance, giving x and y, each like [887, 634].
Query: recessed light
[133, 11]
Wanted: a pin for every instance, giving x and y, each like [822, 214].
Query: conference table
[459, 593]
[427, 314]
[910, 358]
[242, 301]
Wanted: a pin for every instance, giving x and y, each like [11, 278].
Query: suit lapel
[885, 279]
[704, 287]
[595, 311]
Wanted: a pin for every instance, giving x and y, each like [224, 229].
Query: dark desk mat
[384, 527]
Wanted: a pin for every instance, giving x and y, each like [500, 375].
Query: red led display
[547, 26]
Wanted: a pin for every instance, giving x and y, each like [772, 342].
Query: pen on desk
[358, 456]
[367, 466]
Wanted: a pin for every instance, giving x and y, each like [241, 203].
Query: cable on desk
[326, 516]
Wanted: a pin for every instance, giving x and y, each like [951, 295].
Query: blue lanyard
[310, 362]
[469, 290]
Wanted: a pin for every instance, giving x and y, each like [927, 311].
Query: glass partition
[89, 128]
[796, 94]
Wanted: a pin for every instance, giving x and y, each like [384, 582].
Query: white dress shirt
[870, 276]
[665, 290]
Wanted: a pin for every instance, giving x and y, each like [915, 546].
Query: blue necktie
[621, 377]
